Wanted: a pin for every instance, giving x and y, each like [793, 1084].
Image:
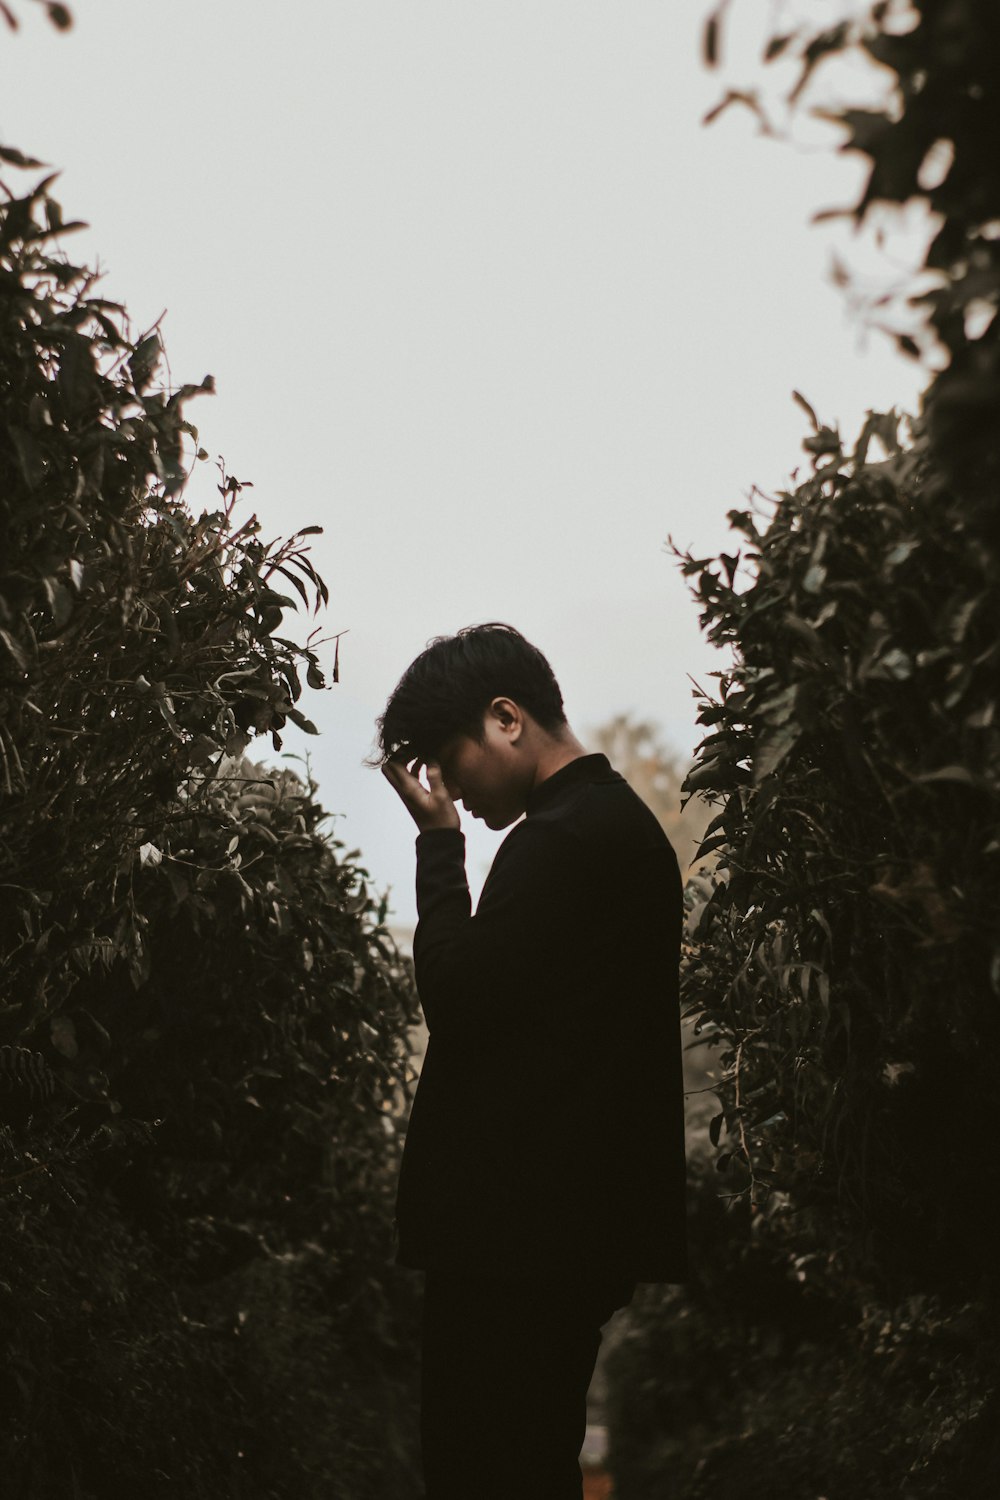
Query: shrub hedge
[840, 1334]
[848, 959]
[203, 1020]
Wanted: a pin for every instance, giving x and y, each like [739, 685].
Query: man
[543, 1171]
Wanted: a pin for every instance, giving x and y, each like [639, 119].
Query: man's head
[485, 705]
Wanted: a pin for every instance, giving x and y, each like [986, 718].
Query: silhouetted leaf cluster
[933, 141]
[137, 643]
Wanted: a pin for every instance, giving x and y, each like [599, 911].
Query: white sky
[482, 297]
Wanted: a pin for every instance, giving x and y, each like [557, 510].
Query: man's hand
[429, 809]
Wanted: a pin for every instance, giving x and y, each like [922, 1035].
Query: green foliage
[776, 1372]
[932, 140]
[847, 960]
[137, 643]
[203, 1021]
[197, 1280]
[839, 1335]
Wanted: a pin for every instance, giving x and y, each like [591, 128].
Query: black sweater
[547, 1129]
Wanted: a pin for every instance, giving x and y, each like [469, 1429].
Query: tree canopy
[931, 141]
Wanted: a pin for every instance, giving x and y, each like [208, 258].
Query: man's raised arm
[472, 970]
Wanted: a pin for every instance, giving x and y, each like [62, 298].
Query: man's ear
[509, 716]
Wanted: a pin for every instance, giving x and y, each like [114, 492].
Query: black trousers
[504, 1376]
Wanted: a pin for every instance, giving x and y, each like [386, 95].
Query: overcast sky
[481, 296]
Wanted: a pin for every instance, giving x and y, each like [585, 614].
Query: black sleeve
[471, 970]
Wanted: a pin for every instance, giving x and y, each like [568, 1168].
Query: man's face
[489, 778]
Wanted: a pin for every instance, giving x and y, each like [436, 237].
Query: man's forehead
[453, 744]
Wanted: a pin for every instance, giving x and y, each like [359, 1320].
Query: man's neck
[556, 754]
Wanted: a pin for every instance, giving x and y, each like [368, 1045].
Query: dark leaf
[710, 44]
[8, 153]
[798, 397]
[777, 45]
[143, 360]
[30, 458]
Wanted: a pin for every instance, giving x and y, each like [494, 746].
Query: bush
[847, 961]
[840, 1333]
[780, 1370]
[198, 1287]
[775, 1372]
[203, 1021]
[137, 643]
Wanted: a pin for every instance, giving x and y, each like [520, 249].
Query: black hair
[451, 684]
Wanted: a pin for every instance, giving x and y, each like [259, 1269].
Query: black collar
[583, 768]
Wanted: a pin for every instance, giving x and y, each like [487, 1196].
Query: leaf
[710, 41]
[237, 742]
[295, 582]
[823, 986]
[826, 440]
[60, 601]
[798, 397]
[773, 750]
[11, 154]
[867, 127]
[201, 749]
[894, 666]
[709, 845]
[30, 458]
[957, 774]
[300, 719]
[901, 552]
[63, 1035]
[16, 650]
[740, 96]
[166, 708]
[144, 359]
[777, 45]
[77, 375]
